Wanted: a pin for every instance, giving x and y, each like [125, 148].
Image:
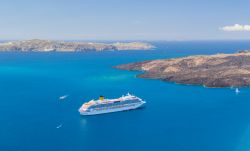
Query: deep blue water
[176, 117]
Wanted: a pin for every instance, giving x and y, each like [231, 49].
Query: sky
[125, 19]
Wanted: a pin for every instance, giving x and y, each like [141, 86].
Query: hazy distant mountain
[62, 46]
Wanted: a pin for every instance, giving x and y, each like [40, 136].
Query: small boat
[237, 91]
[59, 126]
[102, 105]
[63, 97]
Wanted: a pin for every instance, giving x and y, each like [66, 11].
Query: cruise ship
[102, 105]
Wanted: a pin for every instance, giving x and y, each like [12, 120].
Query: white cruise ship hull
[124, 108]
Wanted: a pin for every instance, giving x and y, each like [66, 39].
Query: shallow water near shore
[176, 117]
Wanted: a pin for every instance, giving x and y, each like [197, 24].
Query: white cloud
[236, 27]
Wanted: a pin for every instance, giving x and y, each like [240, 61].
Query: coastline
[219, 70]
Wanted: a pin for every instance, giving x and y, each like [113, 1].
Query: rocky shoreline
[220, 70]
[62, 46]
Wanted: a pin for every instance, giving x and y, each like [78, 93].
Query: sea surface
[176, 117]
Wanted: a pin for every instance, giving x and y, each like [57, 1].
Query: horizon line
[128, 40]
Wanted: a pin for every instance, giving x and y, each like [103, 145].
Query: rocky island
[63, 46]
[220, 70]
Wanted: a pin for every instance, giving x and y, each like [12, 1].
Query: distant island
[220, 70]
[63, 46]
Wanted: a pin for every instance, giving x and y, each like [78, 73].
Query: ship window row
[114, 104]
[113, 107]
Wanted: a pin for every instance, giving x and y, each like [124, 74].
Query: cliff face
[221, 70]
[47, 45]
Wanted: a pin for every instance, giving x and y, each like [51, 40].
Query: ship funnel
[101, 98]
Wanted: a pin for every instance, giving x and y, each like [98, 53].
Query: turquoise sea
[176, 117]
